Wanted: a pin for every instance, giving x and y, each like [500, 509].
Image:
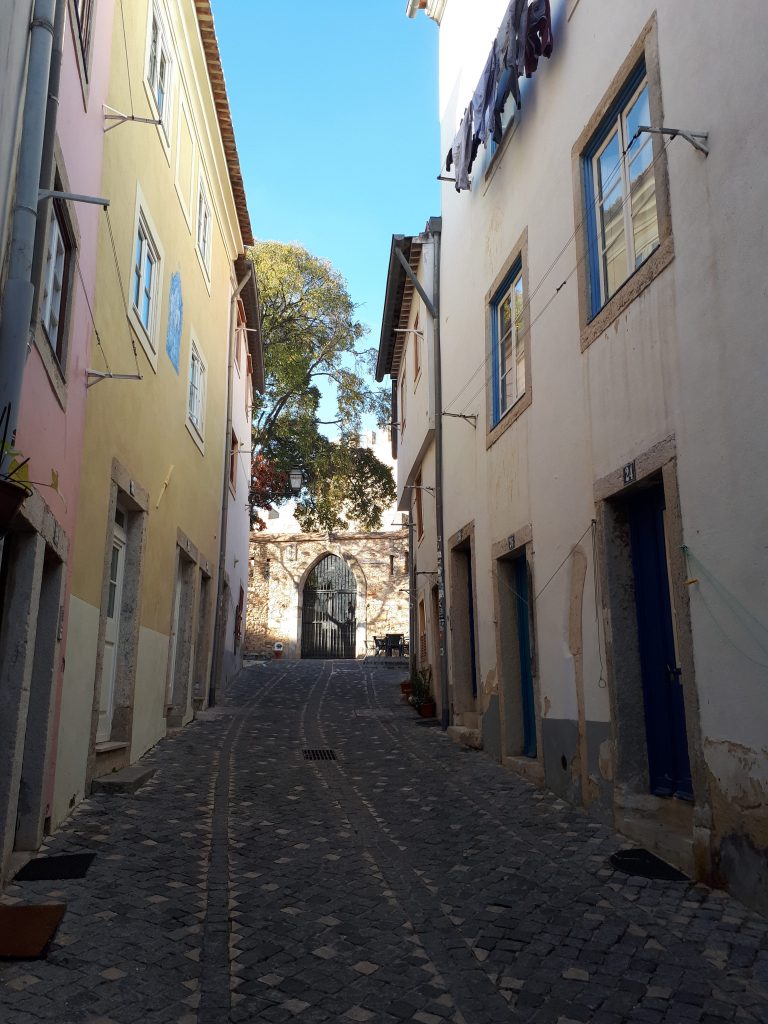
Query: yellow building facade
[142, 612]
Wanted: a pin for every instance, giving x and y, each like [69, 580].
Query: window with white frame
[196, 402]
[204, 226]
[508, 344]
[146, 278]
[158, 73]
[55, 284]
[622, 221]
[83, 18]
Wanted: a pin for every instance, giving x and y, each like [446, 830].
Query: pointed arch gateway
[329, 610]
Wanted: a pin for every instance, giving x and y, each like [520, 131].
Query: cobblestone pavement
[406, 881]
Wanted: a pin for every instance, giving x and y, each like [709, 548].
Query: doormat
[26, 932]
[646, 865]
[48, 869]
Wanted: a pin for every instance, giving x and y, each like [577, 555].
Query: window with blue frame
[620, 193]
[508, 344]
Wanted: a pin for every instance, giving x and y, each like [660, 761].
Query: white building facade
[603, 316]
[407, 358]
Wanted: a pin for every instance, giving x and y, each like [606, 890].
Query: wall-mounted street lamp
[296, 476]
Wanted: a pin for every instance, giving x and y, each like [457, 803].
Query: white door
[174, 635]
[111, 636]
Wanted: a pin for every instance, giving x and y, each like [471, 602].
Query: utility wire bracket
[52, 193]
[94, 376]
[698, 140]
[117, 117]
[470, 418]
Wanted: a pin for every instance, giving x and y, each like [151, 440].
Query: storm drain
[320, 754]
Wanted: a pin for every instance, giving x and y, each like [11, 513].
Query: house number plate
[630, 473]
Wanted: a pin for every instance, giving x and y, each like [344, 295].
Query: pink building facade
[35, 555]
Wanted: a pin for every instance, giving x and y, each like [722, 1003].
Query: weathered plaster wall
[280, 564]
[683, 360]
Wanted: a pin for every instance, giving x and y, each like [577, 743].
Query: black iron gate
[329, 625]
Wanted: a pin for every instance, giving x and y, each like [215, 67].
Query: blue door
[524, 647]
[666, 737]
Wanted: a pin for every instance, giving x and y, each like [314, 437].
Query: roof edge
[223, 115]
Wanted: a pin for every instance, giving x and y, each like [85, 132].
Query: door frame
[633, 801]
[293, 648]
[352, 576]
[119, 540]
[133, 499]
[513, 548]
[459, 588]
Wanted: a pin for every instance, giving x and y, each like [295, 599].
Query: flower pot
[427, 709]
[405, 687]
[12, 495]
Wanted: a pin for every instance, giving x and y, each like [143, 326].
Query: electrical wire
[127, 61]
[90, 312]
[526, 305]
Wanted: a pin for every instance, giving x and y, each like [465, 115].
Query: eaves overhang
[223, 115]
[397, 302]
[434, 9]
[250, 298]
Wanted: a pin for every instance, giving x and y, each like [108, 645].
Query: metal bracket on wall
[697, 139]
[117, 117]
[52, 193]
[94, 376]
[470, 418]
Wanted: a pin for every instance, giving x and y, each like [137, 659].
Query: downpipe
[19, 292]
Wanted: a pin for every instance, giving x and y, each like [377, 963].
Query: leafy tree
[312, 336]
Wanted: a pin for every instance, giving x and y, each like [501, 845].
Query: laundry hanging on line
[525, 35]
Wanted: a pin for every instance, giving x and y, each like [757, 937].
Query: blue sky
[335, 112]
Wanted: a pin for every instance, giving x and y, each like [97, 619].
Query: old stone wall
[280, 564]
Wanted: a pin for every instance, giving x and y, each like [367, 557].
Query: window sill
[140, 332]
[501, 149]
[203, 268]
[517, 410]
[163, 132]
[192, 429]
[629, 291]
[52, 367]
[187, 212]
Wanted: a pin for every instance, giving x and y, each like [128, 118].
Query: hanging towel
[460, 153]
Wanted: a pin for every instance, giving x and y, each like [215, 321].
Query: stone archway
[329, 602]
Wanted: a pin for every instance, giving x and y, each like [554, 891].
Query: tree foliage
[313, 343]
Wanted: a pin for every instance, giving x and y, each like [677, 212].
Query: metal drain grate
[320, 754]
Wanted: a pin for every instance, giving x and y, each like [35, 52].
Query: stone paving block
[240, 884]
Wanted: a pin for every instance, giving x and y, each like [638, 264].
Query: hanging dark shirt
[539, 40]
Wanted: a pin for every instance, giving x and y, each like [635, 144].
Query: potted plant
[421, 694]
[13, 486]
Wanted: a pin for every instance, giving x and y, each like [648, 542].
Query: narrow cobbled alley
[405, 880]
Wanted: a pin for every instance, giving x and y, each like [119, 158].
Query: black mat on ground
[26, 932]
[646, 865]
[49, 869]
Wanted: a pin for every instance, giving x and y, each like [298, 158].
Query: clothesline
[524, 37]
